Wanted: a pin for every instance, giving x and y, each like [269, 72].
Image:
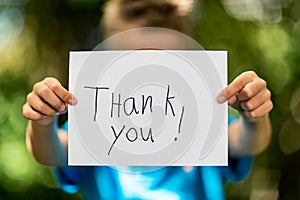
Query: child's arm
[46, 142]
[250, 96]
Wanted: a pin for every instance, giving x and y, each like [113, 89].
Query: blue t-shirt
[103, 182]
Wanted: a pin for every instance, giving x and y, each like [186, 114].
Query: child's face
[149, 38]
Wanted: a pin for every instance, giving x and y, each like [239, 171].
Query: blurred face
[148, 38]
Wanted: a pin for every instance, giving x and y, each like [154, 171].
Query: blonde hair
[120, 15]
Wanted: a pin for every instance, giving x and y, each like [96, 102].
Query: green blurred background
[262, 35]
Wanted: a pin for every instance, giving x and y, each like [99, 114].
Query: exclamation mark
[179, 124]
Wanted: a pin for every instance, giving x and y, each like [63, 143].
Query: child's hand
[47, 98]
[249, 95]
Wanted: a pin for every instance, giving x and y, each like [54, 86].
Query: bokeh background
[261, 35]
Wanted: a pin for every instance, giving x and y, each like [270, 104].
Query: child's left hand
[248, 94]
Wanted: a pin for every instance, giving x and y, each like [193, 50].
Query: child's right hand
[47, 97]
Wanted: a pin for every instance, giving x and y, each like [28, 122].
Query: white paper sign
[148, 108]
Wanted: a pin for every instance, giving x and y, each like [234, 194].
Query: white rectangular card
[148, 108]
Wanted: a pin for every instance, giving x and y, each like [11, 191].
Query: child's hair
[120, 15]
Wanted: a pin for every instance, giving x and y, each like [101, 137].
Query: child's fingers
[39, 105]
[257, 100]
[236, 86]
[251, 89]
[232, 100]
[60, 91]
[44, 92]
[31, 114]
[261, 111]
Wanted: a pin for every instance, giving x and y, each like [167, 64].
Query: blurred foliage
[36, 37]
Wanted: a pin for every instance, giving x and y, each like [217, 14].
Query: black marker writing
[131, 135]
[135, 135]
[168, 102]
[114, 103]
[129, 105]
[149, 135]
[133, 107]
[144, 105]
[180, 120]
[116, 137]
[96, 98]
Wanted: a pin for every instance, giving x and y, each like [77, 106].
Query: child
[247, 136]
